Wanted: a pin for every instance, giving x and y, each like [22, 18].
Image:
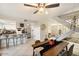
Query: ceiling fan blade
[35, 12]
[52, 5]
[30, 5]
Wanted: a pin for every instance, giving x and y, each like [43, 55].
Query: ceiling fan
[42, 6]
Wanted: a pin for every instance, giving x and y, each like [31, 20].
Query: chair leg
[66, 48]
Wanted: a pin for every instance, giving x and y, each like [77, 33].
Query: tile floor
[19, 50]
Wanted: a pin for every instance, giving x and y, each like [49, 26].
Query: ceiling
[19, 12]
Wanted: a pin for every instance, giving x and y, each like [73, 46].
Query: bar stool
[7, 42]
[21, 38]
[13, 37]
[16, 37]
[24, 38]
[8, 39]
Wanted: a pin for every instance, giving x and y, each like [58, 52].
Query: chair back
[70, 52]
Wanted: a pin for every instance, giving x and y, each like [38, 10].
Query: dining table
[55, 51]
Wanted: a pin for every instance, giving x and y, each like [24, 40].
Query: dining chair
[69, 52]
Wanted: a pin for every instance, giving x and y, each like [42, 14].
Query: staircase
[67, 24]
[62, 19]
[64, 35]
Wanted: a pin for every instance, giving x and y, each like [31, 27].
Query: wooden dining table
[54, 51]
